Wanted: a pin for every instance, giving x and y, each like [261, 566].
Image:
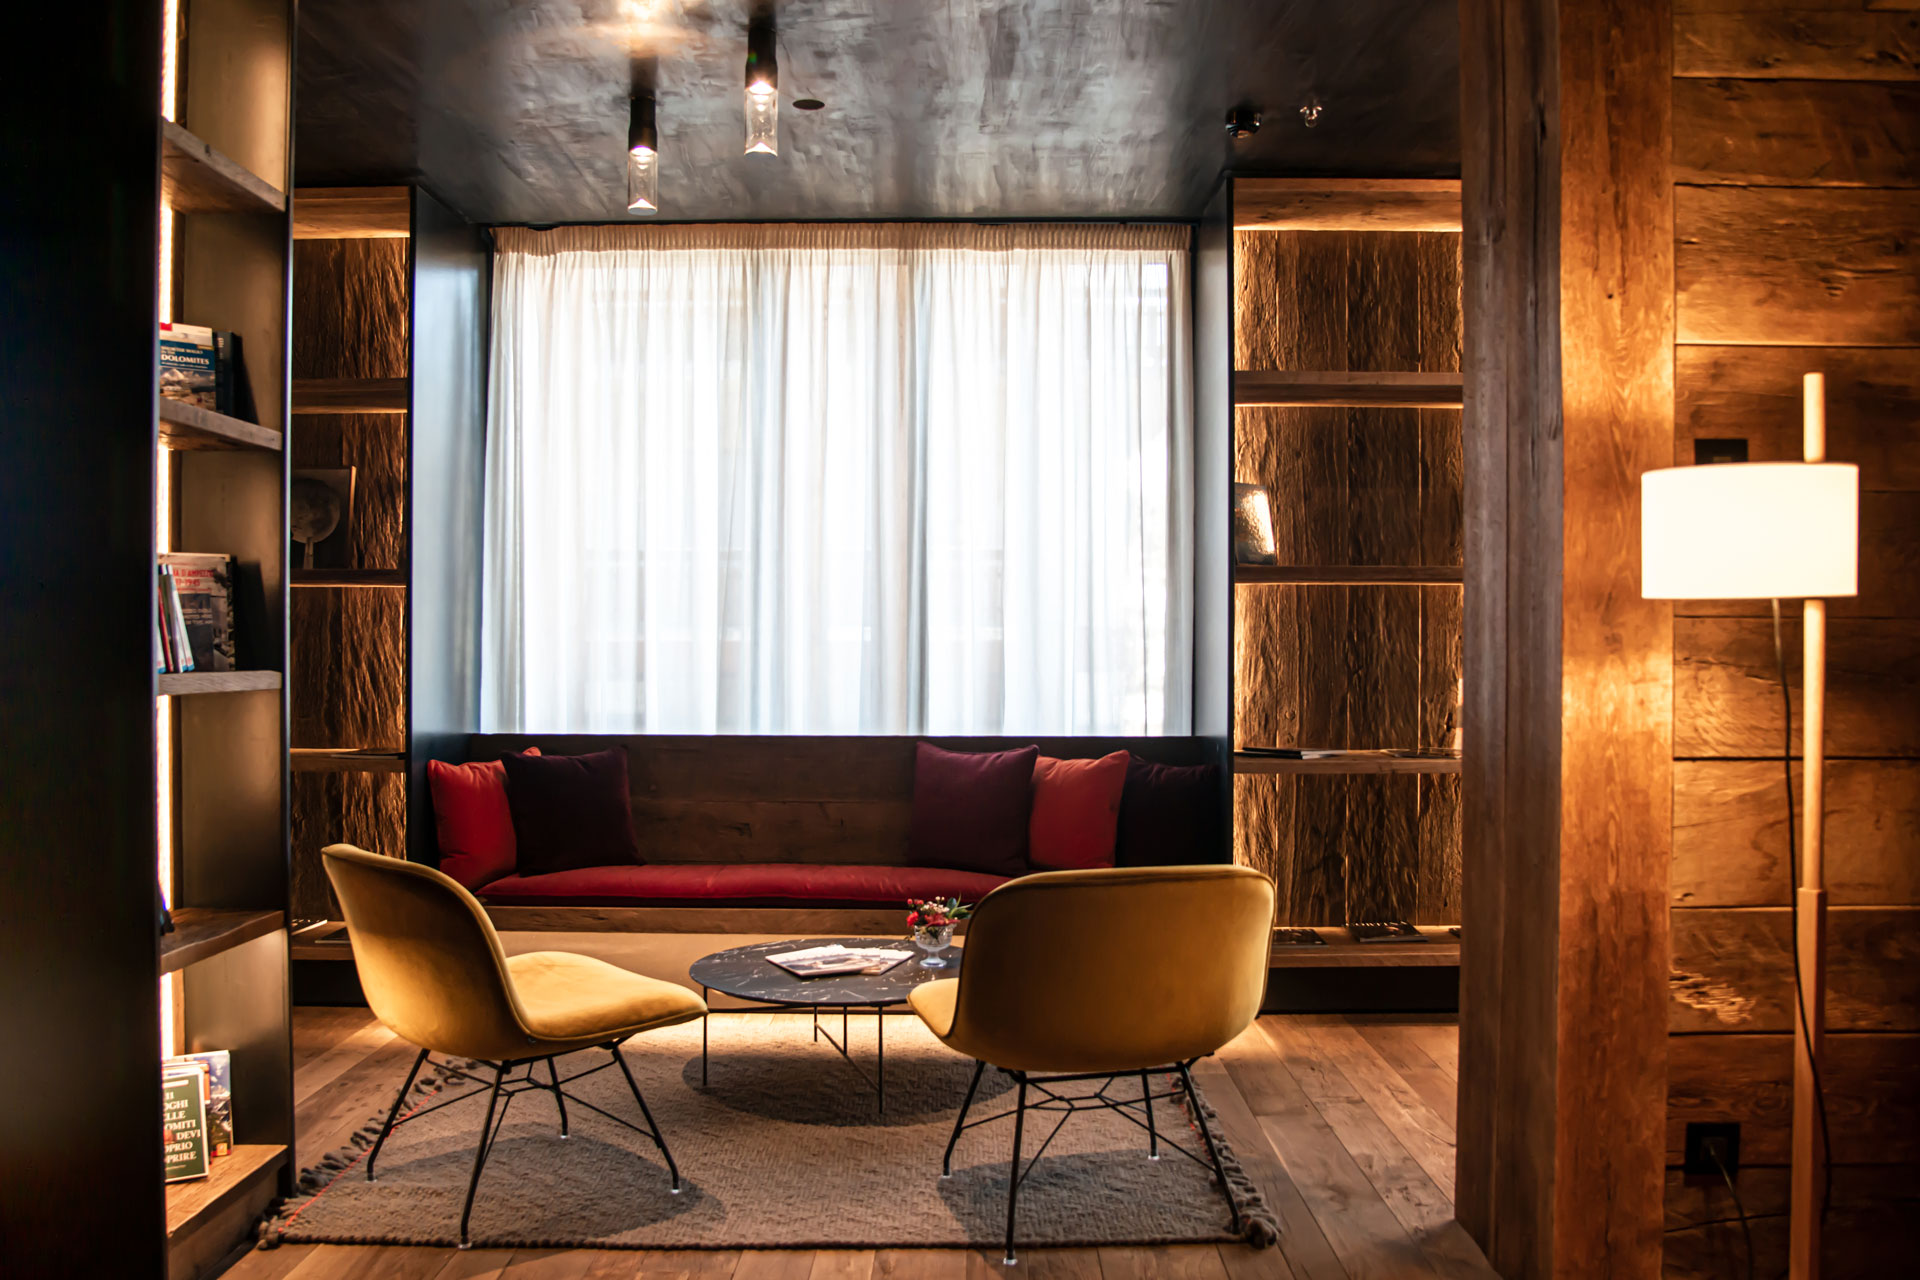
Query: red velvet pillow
[970, 809]
[1171, 816]
[471, 816]
[1076, 812]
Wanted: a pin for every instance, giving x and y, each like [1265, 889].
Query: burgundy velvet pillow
[970, 810]
[571, 812]
[1170, 816]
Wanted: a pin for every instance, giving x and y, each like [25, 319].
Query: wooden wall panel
[1802, 255]
[1753, 393]
[366, 809]
[1730, 833]
[1873, 1110]
[1797, 266]
[1727, 695]
[1796, 133]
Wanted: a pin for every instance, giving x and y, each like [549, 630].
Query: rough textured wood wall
[1351, 666]
[349, 646]
[1796, 152]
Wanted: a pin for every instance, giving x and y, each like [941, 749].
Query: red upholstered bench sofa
[745, 834]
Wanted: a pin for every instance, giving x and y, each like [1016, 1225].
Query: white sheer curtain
[839, 479]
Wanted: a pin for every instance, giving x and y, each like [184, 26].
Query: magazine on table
[834, 959]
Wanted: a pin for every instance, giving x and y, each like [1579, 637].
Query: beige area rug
[782, 1148]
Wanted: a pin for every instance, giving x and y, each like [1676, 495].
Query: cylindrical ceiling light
[763, 91]
[643, 157]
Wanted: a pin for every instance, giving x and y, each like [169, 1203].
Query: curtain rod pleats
[1163, 237]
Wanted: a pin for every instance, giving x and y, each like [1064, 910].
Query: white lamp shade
[1750, 531]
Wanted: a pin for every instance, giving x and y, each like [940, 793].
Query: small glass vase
[934, 941]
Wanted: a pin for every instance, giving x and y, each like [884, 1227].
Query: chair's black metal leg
[393, 1114]
[659, 1140]
[946, 1162]
[480, 1153]
[1013, 1172]
[1213, 1153]
[703, 1041]
[1146, 1099]
[559, 1098]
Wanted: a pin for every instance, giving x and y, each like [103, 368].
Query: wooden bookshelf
[204, 1215]
[180, 683]
[1346, 204]
[350, 395]
[1356, 763]
[1282, 388]
[348, 760]
[1439, 949]
[188, 426]
[196, 177]
[1355, 575]
[384, 579]
[200, 933]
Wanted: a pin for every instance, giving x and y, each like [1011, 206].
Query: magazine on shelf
[834, 959]
[197, 366]
[183, 1122]
[173, 624]
[217, 1068]
[203, 586]
[1385, 931]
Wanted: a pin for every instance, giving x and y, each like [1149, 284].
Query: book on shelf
[201, 589]
[1296, 937]
[173, 625]
[183, 1123]
[1385, 931]
[834, 960]
[201, 367]
[215, 1068]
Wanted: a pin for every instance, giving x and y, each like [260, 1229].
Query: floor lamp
[1775, 531]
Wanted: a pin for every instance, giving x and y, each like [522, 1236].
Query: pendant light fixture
[763, 90]
[643, 157]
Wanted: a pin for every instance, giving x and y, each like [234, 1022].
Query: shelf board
[1358, 575]
[1346, 204]
[188, 426]
[347, 760]
[192, 1205]
[1440, 950]
[1281, 387]
[351, 213]
[383, 578]
[202, 932]
[350, 395]
[1243, 763]
[177, 683]
[195, 178]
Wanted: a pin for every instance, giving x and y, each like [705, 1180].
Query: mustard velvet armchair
[1093, 975]
[434, 974]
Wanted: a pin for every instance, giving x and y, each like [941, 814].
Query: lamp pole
[1809, 1008]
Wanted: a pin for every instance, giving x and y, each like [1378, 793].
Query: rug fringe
[1258, 1225]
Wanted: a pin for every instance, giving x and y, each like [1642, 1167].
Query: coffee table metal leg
[816, 1024]
[880, 1055]
[703, 1041]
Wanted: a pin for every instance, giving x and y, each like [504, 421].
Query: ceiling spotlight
[1310, 114]
[763, 90]
[1242, 123]
[643, 157]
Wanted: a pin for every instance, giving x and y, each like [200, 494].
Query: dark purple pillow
[570, 812]
[970, 810]
[1170, 816]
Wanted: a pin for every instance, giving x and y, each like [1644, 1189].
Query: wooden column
[1567, 783]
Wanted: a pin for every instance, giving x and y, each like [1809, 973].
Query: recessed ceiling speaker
[1242, 123]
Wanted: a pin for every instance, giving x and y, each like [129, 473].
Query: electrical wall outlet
[1712, 1147]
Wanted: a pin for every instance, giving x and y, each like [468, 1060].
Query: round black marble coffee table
[745, 973]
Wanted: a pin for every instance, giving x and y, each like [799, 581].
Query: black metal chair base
[1066, 1105]
[501, 1087]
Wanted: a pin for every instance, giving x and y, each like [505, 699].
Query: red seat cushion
[743, 884]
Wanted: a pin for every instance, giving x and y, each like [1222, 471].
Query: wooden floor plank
[1440, 1041]
[1371, 1145]
[350, 1052]
[1041, 1264]
[320, 1029]
[1426, 1137]
[1365, 1234]
[842, 1264]
[1308, 1255]
[475, 1264]
[1244, 1262]
[774, 1264]
[372, 1262]
[1163, 1262]
[269, 1264]
[920, 1264]
[327, 1120]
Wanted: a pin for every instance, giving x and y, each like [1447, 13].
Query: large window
[839, 479]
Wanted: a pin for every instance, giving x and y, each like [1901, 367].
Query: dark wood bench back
[793, 799]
